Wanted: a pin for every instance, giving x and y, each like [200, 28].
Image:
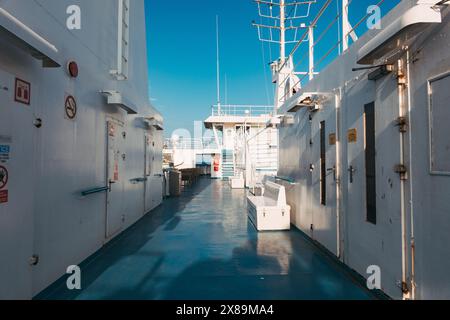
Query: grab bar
[137, 180]
[93, 191]
[289, 180]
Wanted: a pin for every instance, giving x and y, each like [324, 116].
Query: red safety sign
[116, 170]
[3, 196]
[22, 91]
[111, 129]
[216, 164]
[3, 177]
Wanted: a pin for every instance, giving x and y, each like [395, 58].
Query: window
[439, 119]
[323, 165]
[370, 154]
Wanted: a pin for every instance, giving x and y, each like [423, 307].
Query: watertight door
[158, 169]
[115, 216]
[148, 171]
[153, 166]
[16, 186]
[324, 177]
[373, 214]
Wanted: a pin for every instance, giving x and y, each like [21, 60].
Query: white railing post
[311, 52]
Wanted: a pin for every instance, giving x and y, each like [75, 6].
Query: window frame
[430, 82]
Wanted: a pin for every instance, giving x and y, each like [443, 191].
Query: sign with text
[3, 196]
[5, 151]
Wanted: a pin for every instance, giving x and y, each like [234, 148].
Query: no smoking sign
[3, 177]
[3, 183]
[70, 107]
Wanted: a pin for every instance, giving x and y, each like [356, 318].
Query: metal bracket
[402, 170]
[405, 288]
[402, 123]
[401, 78]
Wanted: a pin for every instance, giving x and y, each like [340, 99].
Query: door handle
[334, 172]
[352, 171]
[111, 182]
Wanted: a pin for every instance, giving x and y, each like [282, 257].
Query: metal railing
[326, 21]
[242, 110]
[190, 144]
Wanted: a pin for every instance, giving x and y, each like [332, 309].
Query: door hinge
[402, 170]
[402, 123]
[405, 288]
[401, 78]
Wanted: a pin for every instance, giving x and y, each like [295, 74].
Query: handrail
[318, 63]
[137, 180]
[94, 191]
[188, 143]
[286, 179]
[241, 110]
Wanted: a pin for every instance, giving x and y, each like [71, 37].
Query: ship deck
[202, 246]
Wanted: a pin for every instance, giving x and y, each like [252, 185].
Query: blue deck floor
[202, 246]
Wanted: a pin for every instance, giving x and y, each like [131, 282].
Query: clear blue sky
[182, 55]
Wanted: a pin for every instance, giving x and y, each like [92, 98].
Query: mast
[218, 63]
[282, 31]
[281, 21]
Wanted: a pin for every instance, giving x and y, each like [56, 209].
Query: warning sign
[71, 107]
[22, 91]
[111, 129]
[116, 170]
[3, 196]
[3, 177]
[332, 139]
[352, 135]
[5, 151]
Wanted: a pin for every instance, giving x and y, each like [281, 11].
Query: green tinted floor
[202, 246]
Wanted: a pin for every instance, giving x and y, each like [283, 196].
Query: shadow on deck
[202, 246]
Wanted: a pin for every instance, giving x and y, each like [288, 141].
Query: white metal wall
[361, 243]
[70, 155]
[430, 191]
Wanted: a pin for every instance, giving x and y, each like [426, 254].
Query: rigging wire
[266, 82]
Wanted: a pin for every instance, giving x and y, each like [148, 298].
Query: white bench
[237, 182]
[270, 212]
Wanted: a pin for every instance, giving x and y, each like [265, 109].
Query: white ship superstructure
[80, 144]
[349, 168]
[368, 150]
[248, 142]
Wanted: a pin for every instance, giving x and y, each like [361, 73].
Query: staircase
[227, 164]
[263, 155]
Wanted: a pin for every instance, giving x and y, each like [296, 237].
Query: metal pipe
[20, 25]
[311, 53]
[338, 174]
[401, 98]
[282, 32]
[411, 195]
